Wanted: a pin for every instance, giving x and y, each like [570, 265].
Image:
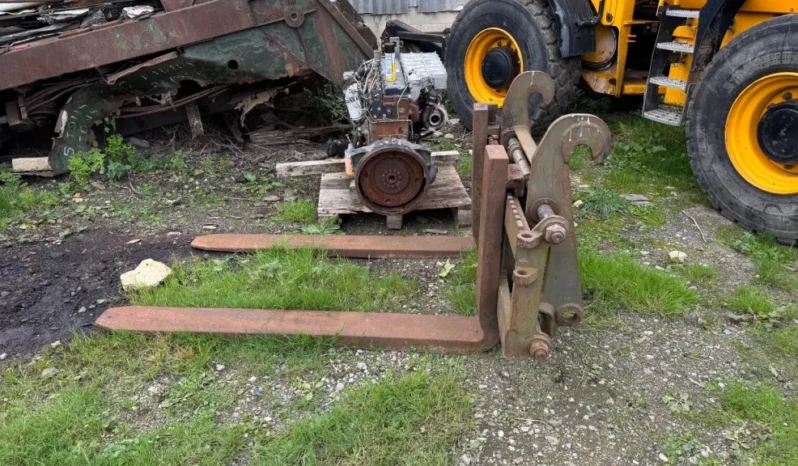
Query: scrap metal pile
[64, 67]
[527, 271]
[23, 22]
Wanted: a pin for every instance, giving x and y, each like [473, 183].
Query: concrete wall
[427, 22]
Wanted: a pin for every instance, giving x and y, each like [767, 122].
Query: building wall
[427, 22]
[426, 15]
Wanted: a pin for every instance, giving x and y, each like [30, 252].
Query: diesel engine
[393, 102]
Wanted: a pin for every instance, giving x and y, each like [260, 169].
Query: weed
[603, 202]
[328, 227]
[763, 247]
[615, 281]
[260, 185]
[279, 279]
[408, 420]
[303, 211]
[751, 306]
[678, 403]
[329, 101]
[84, 165]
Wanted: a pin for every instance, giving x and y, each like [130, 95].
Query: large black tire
[770, 47]
[532, 24]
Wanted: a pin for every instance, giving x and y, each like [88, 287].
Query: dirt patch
[48, 289]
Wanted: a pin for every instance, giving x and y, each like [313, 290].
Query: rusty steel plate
[381, 330]
[375, 247]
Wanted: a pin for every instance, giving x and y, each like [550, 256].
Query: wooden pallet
[337, 196]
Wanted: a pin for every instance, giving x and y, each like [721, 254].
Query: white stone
[677, 257]
[448, 136]
[49, 372]
[579, 203]
[3, 356]
[148, 274]
[55, 344]
[663, 458]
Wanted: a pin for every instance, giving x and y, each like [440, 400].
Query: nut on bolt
[555, 234]
[540, 346]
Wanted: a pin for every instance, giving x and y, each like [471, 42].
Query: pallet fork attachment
[527, 271]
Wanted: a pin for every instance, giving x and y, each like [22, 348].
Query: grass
[647, 157]
[603, 202]
[82, 415]
[764, 424]
[699, 274]
[408, 420]
[786, 341]
[461, 286]
[614, 281]
[750, 299]
[775, 262]
[88, 413]
[464, 165]
[280, 279]
[17, 199]
[752, 306]
[302, 211]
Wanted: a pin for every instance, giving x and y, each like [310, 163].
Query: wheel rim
[759, 136]
[491, 43]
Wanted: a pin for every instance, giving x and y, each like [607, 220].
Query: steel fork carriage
[527, 270]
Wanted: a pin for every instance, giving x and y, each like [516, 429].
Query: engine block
[394, 102]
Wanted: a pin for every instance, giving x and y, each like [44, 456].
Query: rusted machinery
[393, 102]
[527, 271]
[179, 58]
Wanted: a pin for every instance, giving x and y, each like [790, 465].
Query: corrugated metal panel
[434, 6]
[380, 7]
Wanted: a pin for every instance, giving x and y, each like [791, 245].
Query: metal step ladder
[667, 52]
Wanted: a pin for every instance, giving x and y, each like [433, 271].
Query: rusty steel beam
[489, 249]
[479, 140]
[380, 330]
[374, 247]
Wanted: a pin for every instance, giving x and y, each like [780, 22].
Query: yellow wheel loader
[727, 70]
